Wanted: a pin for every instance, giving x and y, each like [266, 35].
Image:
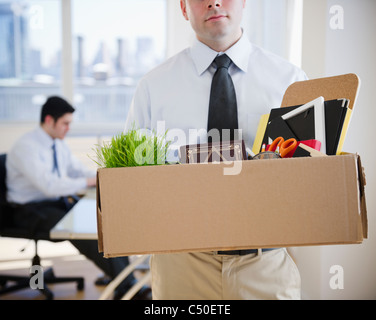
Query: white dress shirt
[178, 91]
[30, 174]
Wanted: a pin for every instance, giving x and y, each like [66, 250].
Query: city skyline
[31, 55]
[34, 37]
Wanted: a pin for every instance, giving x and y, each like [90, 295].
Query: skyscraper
[13, 41]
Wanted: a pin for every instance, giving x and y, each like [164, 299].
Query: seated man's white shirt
[30, 174]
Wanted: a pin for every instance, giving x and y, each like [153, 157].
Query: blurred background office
[93, 52]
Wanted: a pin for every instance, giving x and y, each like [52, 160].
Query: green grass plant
[131, 149]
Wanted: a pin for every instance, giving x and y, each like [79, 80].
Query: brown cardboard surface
[194, 207]
[337, 87]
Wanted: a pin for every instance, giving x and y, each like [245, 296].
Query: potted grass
[131, 149]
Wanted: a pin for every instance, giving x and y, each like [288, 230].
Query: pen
[263, 148]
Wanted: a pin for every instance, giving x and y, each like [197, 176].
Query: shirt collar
[44, 137]
[203, 56]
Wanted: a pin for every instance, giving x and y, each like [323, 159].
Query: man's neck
[221, 45]
[45, 129]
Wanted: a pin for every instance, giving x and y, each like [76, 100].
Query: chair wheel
[80, 285]
[3, 283]
[48, 294]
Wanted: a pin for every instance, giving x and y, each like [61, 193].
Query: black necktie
[55, 167]
[223, 112]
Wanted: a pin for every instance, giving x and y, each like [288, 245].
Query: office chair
[8, 229]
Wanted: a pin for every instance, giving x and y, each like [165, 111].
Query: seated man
[43, 177]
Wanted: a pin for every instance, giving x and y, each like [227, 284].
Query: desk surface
[80, 222]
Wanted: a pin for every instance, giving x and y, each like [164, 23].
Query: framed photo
[213, 152]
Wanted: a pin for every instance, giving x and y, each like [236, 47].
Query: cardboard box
[271, 203]
[195, 207]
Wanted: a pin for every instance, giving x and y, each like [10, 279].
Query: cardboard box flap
[363, 206]
[99, 216]
[338, 87]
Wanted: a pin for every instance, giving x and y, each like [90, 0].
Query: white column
[67, 59]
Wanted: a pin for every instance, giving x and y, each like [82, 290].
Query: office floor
[64, 258]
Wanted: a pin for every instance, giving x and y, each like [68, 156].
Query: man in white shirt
[177, 94]
[43, 177]
[30, 174]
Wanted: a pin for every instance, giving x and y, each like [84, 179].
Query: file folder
[263, 122]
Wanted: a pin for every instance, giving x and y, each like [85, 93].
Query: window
[114, 42]
[276, 26]
[30, 48]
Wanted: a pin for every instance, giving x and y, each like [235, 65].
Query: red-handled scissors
[286, 148]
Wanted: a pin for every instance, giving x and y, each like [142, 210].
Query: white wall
[179, 31]
[328, 52]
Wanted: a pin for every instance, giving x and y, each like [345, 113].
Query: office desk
[81, 223]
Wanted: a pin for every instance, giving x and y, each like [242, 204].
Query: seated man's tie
[55, 166]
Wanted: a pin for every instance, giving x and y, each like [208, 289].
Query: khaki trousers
[267, 275]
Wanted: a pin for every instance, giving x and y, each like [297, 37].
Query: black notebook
[302, 126]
